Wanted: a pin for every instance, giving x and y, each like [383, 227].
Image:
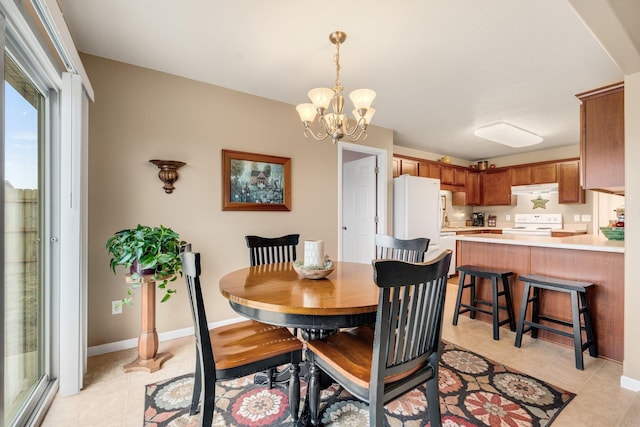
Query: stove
[534, 224]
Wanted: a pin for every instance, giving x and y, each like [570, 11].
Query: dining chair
[234, 350]
[269, 250]
[400, 352]
[265, 250]
[412, 250]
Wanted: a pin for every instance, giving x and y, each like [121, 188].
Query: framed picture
[255, 182]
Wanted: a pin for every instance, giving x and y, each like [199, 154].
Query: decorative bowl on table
[613, 233]
[313, 271]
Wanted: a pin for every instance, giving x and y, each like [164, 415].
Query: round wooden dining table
[275, 294]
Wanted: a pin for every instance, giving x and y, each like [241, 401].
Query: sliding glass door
[24, 297]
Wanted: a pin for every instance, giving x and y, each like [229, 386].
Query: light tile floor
[113, 398]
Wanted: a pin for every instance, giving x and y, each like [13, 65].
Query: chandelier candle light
[334, 123]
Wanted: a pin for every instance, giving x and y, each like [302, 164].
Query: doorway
[362, 184]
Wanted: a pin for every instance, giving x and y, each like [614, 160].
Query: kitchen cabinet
[543, 174]
[496, 188]
[533, 174]
[473, 188]
[429, 170]
[396, 167]
[408, 167]
[471, 194]
[602, 138]
[521, 175]
[453, 178]
[447, 175]
[569, 189]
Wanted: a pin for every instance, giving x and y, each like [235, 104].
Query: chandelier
[335, 123]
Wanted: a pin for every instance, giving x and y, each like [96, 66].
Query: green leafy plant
[147, 248]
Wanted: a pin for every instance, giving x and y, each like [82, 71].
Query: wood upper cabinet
[453, 176]
[409, 167]
[471, 195]
[569, 189]
[473, 189]
[496, 188]
[447, 175]
[602, 138]
[520, 175]
[429, 170]
[396, 167]
[533, 174]
[545, 173]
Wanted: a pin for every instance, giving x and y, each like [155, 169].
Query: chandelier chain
[336, 58]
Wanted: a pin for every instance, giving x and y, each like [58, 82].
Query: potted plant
[147, 250]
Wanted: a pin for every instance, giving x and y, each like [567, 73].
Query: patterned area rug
[474, 392]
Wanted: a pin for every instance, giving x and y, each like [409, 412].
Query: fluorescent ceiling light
[507, 134]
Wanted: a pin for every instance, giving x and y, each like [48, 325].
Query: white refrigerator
[417, 210]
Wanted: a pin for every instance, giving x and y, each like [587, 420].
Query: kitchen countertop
[469, 228]
[481, 229]
[583, 242]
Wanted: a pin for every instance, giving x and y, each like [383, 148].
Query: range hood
[534, 189]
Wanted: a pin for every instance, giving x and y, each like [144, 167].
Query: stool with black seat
[495, 276]
[579, 307]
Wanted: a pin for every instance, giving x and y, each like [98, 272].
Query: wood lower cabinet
[569, 189]
[602, 138]
[605, 269]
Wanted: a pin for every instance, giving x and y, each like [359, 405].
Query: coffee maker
[478, 219]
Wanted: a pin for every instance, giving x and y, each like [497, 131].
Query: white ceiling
[440, 68]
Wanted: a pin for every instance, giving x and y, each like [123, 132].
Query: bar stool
[473, 272]
[579, 306]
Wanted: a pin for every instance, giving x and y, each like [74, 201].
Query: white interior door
[359, 209]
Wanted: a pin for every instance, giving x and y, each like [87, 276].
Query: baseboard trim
[630, 383]
[163, 336]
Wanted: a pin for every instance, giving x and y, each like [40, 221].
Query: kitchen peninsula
[586, 258]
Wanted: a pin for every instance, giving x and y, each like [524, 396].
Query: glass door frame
[43, 393]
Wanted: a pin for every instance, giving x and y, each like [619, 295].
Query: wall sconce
[168, 172]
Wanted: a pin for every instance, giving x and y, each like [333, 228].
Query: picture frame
[255, 182]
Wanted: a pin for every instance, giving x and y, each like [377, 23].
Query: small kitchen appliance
[478, 219]
[534, 224]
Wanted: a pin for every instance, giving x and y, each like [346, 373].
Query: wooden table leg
[148, 360]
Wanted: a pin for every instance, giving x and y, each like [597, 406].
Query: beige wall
[140, 115]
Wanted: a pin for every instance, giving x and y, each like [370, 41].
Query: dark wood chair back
[265, 250]
[412, 250]
[234, 350]
[403, 349]
[205, 373]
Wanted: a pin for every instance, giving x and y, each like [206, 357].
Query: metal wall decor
[539, 202]
[168, 172]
